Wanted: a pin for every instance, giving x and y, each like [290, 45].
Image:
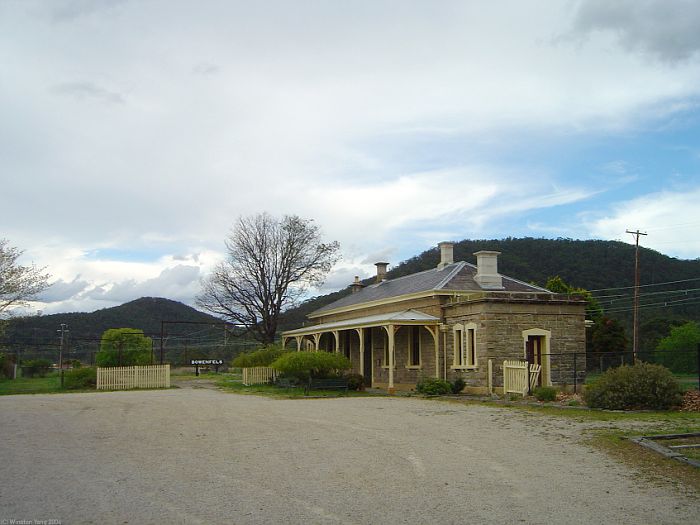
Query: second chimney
[381, 270]
[487, 270]
[357, 285]
[446, 254]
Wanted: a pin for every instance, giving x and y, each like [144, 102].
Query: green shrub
[35, 367]
[355, 381]
[80, 378]
[264, 356]
[458, 385]
[306, 365]
[433, 387]
[642, 386]
[545, 393]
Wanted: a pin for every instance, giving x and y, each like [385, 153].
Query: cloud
[179, 283]
[394, 129]
[87, 90]
[670, 218]
[61, 290]
[664, 29]
[69, 10]
[205, 68]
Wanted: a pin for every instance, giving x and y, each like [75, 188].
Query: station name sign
[201, 362]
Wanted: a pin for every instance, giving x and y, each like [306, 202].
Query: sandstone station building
[455, 320]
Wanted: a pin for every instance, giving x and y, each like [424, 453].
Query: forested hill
[145, 314]
[594, 265]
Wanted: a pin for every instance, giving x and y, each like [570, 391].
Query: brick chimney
[357, 285]
[487, 275]
[446, 254]
[381, 270]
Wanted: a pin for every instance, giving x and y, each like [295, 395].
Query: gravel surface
[203, 456]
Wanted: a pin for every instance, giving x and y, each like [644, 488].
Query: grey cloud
[666, 29]
[205, 68]
[180, 283]
[68, 10]
[88, 90]
[62, 290]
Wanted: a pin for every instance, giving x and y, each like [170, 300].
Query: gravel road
[203, 456]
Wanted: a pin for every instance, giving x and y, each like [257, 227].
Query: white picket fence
[128, 377]
[515, 377]
[258, 375]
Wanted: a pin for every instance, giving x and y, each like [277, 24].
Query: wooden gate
[258, 375]
[515, 377]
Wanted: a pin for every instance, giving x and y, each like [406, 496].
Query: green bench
[337, 383]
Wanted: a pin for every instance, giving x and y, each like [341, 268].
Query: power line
[662, 304]
[645, 285]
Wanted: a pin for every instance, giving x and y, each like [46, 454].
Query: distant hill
[594, 265]
[145, 314]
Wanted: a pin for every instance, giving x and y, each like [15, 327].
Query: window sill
[473, 367]
[386, 367]
[414, 367]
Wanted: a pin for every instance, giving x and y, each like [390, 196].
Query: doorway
[536, 342]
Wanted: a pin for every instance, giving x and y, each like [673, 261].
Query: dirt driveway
[203, 456]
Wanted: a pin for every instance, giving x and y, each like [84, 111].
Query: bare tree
[271, 263]
[18, 283]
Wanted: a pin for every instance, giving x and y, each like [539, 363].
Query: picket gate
[515, 376]
[258, 375]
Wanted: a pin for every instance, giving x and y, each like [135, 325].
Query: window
[458, 334]
[414, 346]
[470, 347]
[464, 346]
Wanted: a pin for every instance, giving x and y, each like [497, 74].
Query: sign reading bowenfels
[201, 362]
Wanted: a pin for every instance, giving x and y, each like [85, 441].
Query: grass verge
[50, 384]
[31, 385]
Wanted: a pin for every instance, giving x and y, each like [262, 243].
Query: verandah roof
[404, 317]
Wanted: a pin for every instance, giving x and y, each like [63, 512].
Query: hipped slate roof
[457, 276]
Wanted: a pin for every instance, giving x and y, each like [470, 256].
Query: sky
[134, 133]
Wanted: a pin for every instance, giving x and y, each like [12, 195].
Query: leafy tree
[124, 347]
[678, 351]
[264, 356]
[18, 284]
[608, 336]
[593, 309]
[271, 263]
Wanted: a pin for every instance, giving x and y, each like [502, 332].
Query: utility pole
[63, 331]
[635, 332]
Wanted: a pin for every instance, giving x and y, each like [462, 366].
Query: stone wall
[499, 336]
